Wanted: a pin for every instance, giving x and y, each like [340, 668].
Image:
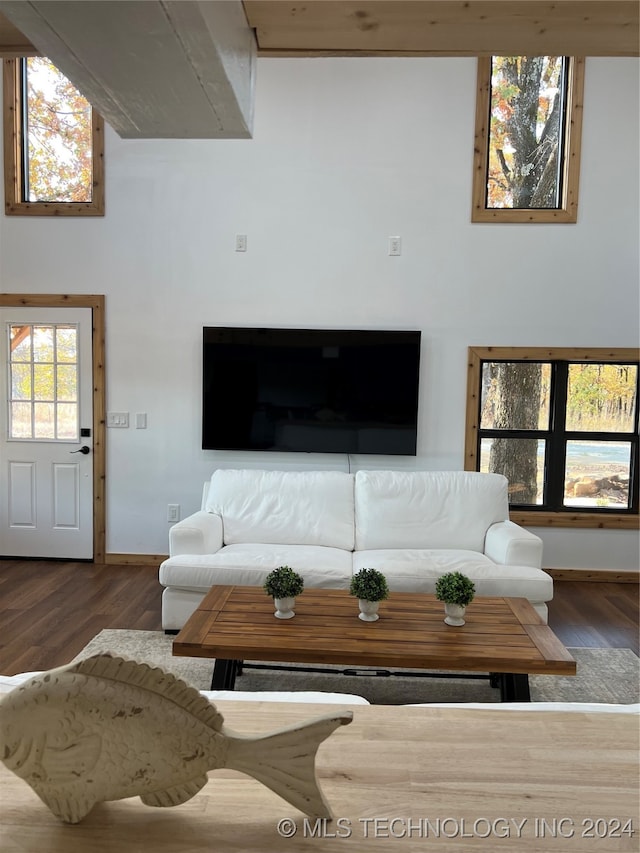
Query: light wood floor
[50, 610]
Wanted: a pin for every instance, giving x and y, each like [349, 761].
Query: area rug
[604, 675]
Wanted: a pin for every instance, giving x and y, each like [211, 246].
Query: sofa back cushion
[427, 509]
[284, 507]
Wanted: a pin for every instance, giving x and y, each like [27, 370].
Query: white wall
[345, 153]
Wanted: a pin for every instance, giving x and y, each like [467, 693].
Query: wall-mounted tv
[310, 390]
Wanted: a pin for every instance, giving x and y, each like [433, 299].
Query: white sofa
[411, 525]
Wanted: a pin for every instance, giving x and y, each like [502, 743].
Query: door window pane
[597, 474]
[66, 343]
[66, 382]
[21, 381]
[43, 386]
[66, 425]
[43, 344]
[20, 343]
[43, 417]
[21, 420]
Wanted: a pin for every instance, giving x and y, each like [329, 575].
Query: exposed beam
[152, 68]
[445, 27]
[185, 68]
[14, 43]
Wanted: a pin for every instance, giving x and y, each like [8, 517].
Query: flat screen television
[310, 390]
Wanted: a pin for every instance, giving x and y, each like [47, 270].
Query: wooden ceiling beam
[445, 27]
[425, 28]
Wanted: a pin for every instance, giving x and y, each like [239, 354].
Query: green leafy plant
[369, 585]
[455, 588]
[283, 582]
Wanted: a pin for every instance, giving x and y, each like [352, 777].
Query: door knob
[84, 449]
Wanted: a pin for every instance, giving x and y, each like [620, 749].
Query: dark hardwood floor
[50, 610]
[596, 615]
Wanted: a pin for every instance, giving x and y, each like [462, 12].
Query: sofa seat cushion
[417, 569]
[284, 507]
[328, 568]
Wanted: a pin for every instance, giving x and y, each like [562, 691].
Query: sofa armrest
[508, 544]
[200, 533]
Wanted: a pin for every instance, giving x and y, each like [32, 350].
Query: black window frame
[552, 511]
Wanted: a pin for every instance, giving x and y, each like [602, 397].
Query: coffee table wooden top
[500, 634]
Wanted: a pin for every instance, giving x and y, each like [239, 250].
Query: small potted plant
[456, 591]
[283, 584]
[370, 587]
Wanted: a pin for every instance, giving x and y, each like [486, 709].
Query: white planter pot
[454, 612]
[284, 607]
[368, 610]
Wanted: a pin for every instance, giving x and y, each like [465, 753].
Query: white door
[46, 433]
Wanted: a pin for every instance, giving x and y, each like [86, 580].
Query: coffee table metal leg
[514, 687]
[224, 674]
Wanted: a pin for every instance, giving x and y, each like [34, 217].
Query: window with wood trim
[527, 140]
[53, 144]
[562, 426]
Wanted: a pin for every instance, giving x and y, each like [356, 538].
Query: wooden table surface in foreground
[501, 635]
[403, 779]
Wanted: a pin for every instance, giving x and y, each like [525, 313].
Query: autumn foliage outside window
[53, 143]
[528, 121]
[57, 136]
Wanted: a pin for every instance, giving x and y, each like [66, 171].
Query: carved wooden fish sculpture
[106, 728]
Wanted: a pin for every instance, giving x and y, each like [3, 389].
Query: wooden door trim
[96, 303]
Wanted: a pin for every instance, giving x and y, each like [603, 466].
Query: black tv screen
[310, 390]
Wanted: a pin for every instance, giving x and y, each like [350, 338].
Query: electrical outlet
[241, 242]
[395, 245]
[173, 512]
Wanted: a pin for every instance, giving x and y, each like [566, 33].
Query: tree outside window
[53, 143]
[528, 126]
[562, 426]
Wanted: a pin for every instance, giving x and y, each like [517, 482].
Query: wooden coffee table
[504, 637]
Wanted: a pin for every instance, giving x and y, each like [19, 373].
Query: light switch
[141, 420]
[119, 420]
